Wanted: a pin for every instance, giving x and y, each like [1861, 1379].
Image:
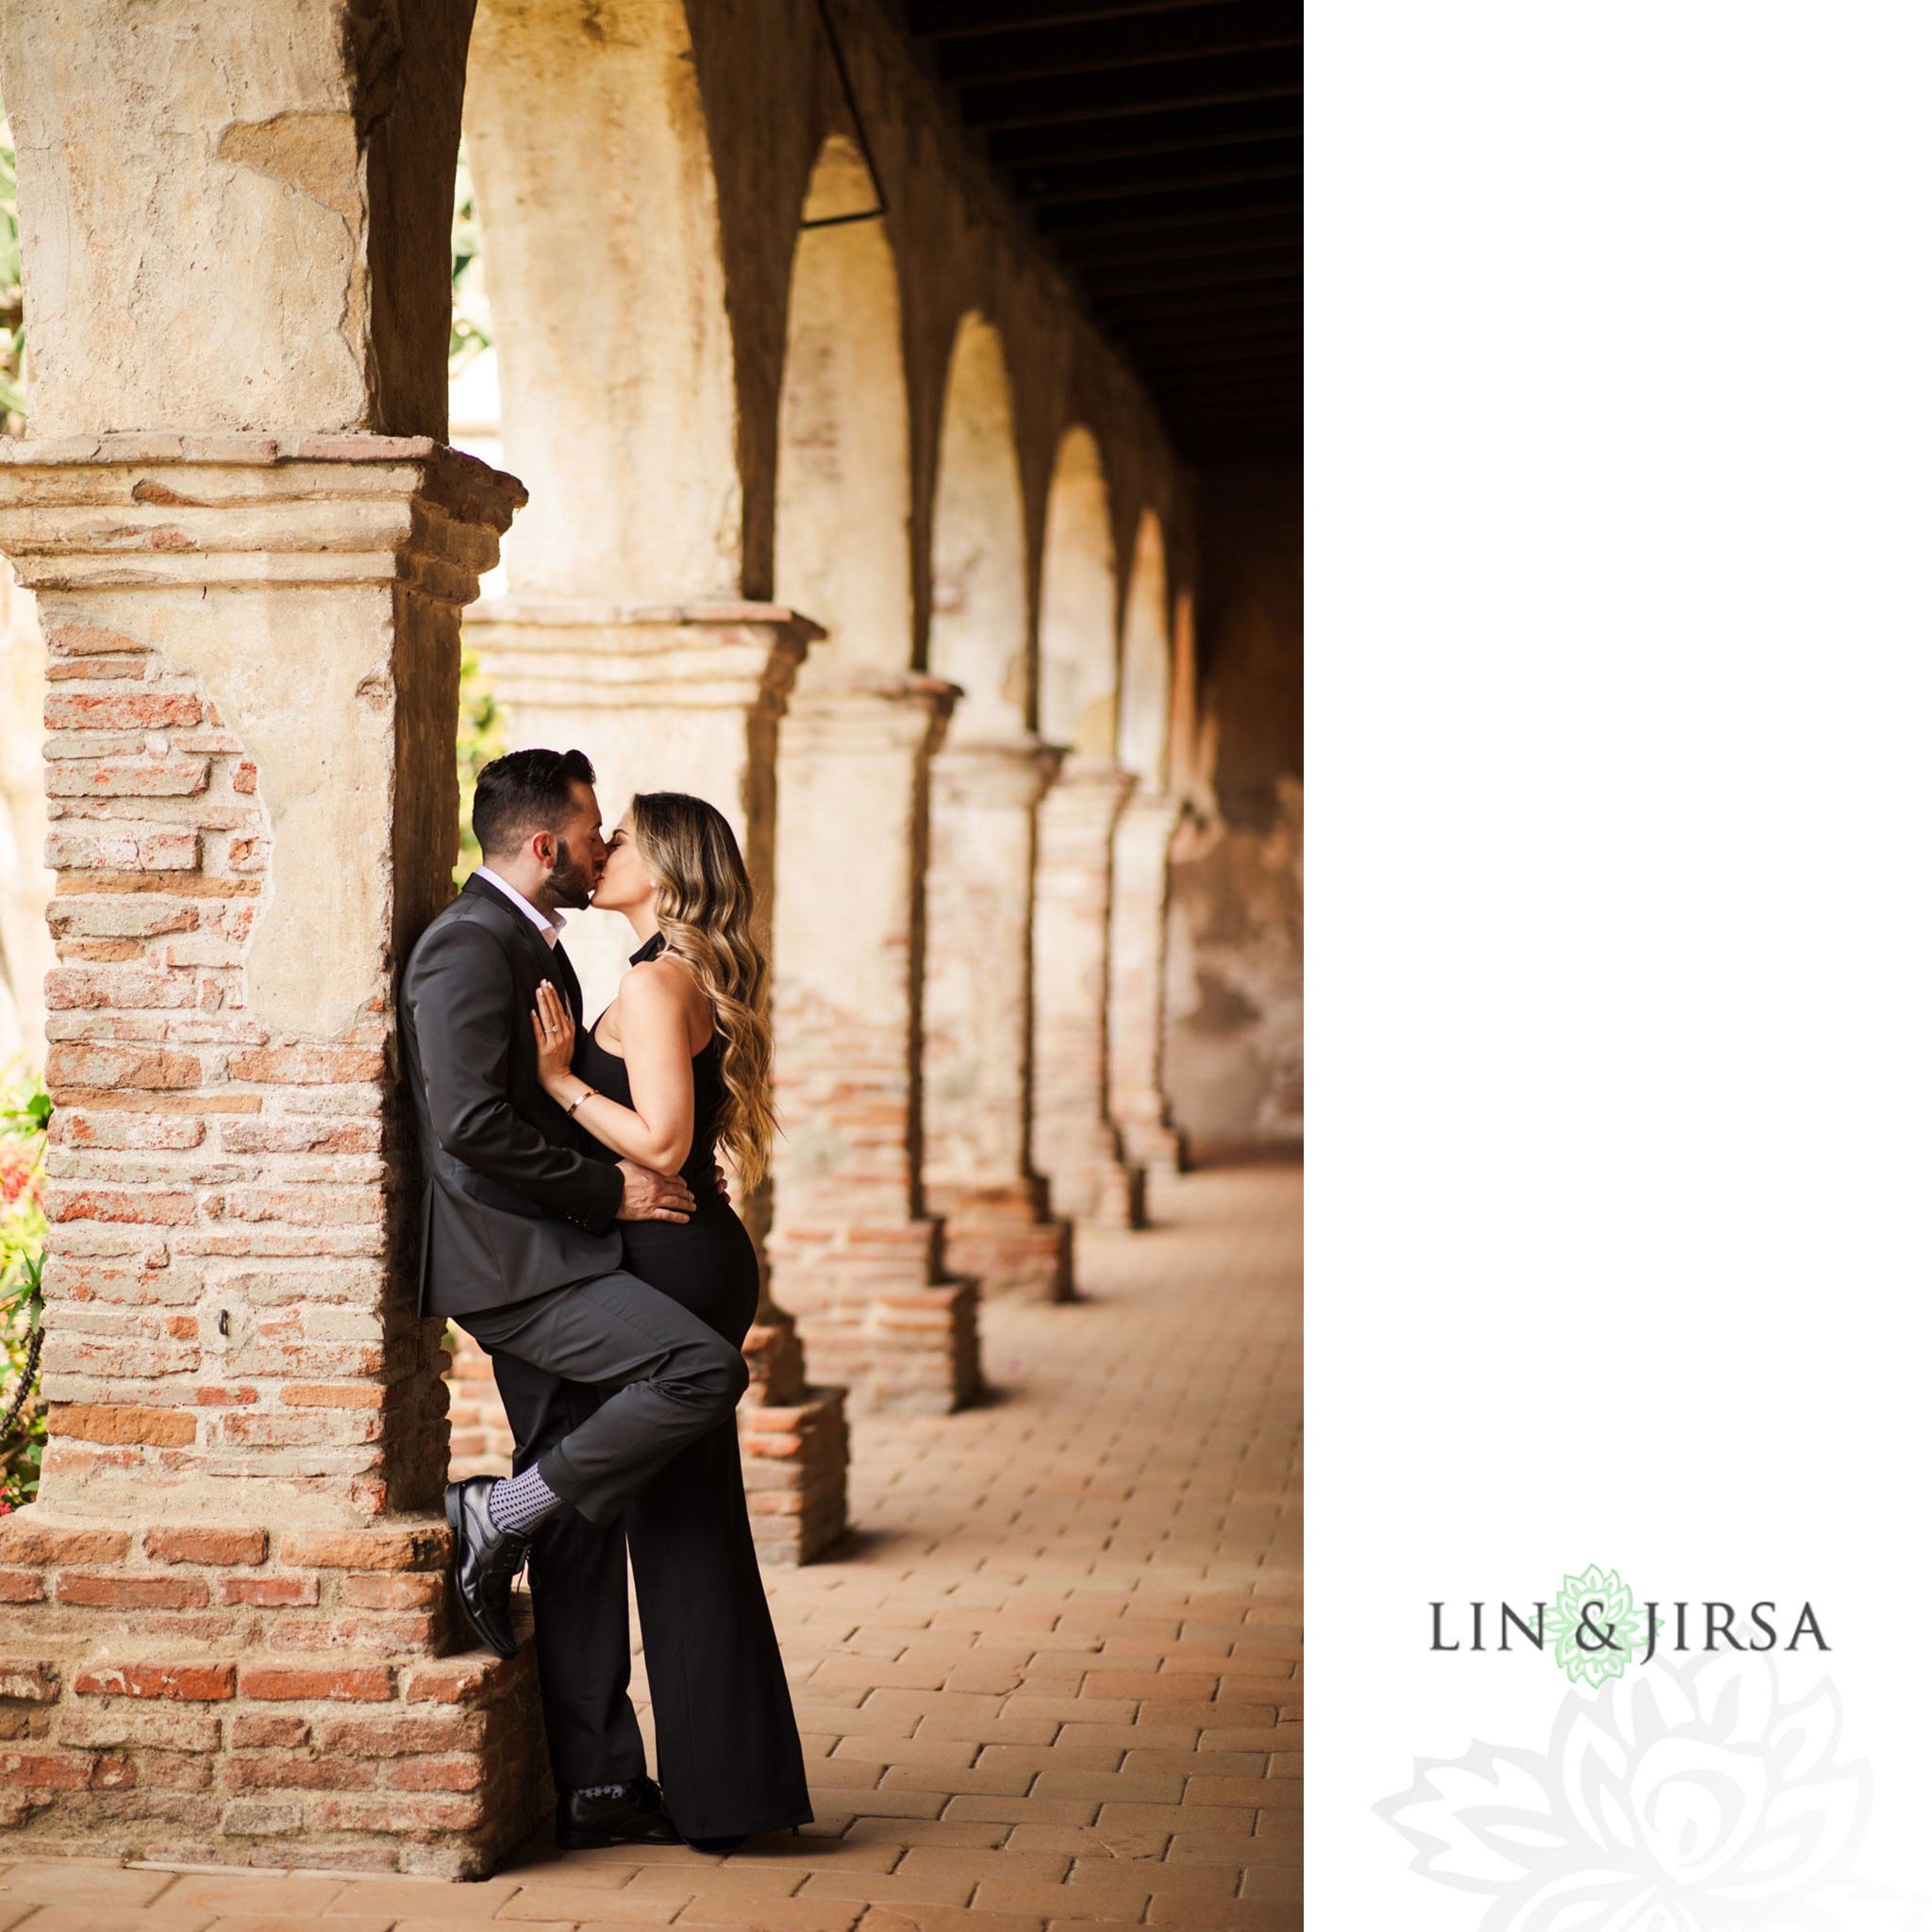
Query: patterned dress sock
[520, 1503]
[602, 1790]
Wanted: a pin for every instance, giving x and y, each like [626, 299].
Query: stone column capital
[1013, 773]
[153, 513]
[875, 712]
[1079, 770]
[565, 653]
[1153, 812]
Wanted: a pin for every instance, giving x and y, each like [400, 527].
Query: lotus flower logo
[1597, 1629]
[1687, 1799]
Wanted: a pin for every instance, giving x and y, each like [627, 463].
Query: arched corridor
[815, 491]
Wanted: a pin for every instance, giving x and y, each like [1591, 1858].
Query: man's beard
[570, 884]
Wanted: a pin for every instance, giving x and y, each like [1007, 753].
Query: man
[604, 1378]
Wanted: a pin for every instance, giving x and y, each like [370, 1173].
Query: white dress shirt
[549, 924]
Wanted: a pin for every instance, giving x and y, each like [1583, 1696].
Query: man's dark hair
[522, 792]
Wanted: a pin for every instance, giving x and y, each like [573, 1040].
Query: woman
[677, 1067]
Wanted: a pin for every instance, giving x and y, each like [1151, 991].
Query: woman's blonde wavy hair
[706, 912]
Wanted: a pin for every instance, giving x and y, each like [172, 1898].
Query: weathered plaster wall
[593, 179]
[1234, 1049]
[176, 282]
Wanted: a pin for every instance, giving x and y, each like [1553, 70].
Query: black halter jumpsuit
[729, 1755]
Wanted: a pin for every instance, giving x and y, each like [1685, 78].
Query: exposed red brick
[322, 1066]
[46, 1770]
[398, 1737]
[132, 989]
[319, 1135]
[400, 1812]
[26, 1681]
[134, 849]
[79, 1063]
[123, 1592]
[22, 1586]
[150, 1206]
[294, 1773]
[190, 1683]
[158, 1103]
[303, 1205]
[251, 1729]
[90, 640]
[459, 1680]
[24, 1539]
[126, 778]
[120, 710]
[94, 668]
[355, 1683]
[191, 1543]
[123, 1423]
[419, 1547]
[266, 1591]
[95, 1726]
[462, 1773]
[335, 1394]
[134, 1132]
[174, 1770]
[177, 886]
[406, 1591]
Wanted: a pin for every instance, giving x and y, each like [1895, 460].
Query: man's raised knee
[727, 1372]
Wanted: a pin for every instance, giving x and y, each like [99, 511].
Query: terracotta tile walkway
[1054, 1682]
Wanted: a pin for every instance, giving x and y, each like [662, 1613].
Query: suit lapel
[566, 978]
[528, 935]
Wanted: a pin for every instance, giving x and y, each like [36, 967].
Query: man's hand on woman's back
[649, 1196]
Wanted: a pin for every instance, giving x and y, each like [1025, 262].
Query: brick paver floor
[1054, 1681]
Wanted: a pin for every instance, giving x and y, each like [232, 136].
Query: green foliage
[13, 313]
[23, 1119]
[479, 722]
[469, 323]
[479, 739]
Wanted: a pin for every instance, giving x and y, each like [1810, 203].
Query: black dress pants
[729, 1755]
[666, 1375]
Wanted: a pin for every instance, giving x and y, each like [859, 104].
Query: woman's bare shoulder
[664, 988]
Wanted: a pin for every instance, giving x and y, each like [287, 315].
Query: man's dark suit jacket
[514, 1203]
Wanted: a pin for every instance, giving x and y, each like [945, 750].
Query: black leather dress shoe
[484, 1563]
[635, 1816]
[715, 1845]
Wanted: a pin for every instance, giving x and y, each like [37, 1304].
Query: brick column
[978, 1021]
[225, 1616]
[1136, 983]
[685, 699]
[852, 1252]
[1074, 1142]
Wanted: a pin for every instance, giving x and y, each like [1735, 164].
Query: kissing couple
[577, 1224]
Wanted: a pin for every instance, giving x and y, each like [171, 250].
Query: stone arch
[844, 446]
[631, 626]
[599, 209]
[1146, 669]
[978, 630]
[851, 1252]
[1078, 597]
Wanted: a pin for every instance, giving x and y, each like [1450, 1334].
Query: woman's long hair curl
[706, 912]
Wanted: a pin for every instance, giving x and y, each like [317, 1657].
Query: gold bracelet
[578, 1102]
